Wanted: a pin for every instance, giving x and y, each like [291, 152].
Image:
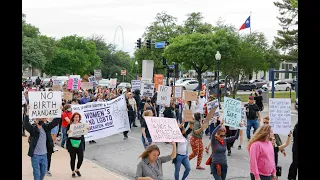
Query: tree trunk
[235, 86]
[199, 79]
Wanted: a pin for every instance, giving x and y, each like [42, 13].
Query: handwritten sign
[113, 83]
[147, 89]
[164, 95]
[213, 104]
[23, 98]
[232, 112]
[188, 115]
[45, 104]
[164, 129]
[98, 74]
[190, 96]
[87, 85]
[178, 92]
[93, 80]
[74, 83]
[135, 85]
[280, 115]
[67, 96]
[79, 129]
[57, 82]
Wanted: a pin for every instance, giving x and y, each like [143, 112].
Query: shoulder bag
[209, 160]
[278, 170]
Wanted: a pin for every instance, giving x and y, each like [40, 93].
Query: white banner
[79, 129]
[105, 118]
[164, 95]
[45, 104]
[135, 85]
[280, 115]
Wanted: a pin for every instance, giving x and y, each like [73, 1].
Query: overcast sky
[60, 18]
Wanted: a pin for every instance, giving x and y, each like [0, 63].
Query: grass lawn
[285, 94]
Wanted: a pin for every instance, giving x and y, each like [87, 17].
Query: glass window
[282, 66]
[290, 66]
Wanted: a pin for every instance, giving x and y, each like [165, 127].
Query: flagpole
[250, 22]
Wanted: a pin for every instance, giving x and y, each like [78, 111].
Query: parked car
[246, 86]
[104, 82]
[278, 86]
[190, 84]
[296, 104]
[124, 85]
[258, 82]
[180, 81]
[292, 82]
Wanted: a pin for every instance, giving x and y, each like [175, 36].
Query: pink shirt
[261, 155]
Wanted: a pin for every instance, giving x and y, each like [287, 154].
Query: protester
[261, 154]
[75, 146]
[133, 104]
[150, 166]
[146, 137]
[66, 116]
[293, 170]
[230, 132]
[150, 106]
[253, 116]
[130, 116]
[266, 120]
[41, 143]
[188, 106]
[54, 133]
[259, 99]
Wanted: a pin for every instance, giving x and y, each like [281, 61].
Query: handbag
[209, 160]
[278, 170]
[75, 143]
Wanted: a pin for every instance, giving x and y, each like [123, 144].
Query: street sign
[123, 72]
[171, 66]
[160, 45]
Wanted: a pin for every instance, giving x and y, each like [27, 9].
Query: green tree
[287, 39]
[195, 24]
[32, 55]
[195, 51]
[74, 55]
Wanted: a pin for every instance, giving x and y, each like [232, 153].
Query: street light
[218, 57]
[136, 63]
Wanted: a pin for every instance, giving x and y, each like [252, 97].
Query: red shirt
[64, 115]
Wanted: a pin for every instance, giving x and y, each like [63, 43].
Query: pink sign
[32, 89]
[164, 129]
[74, 86]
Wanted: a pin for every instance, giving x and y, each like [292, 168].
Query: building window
[282, 66]
[290, 66]
[287, 66]
[277, 75]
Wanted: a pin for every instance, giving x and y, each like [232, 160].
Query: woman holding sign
[146, 137]
[75, 146]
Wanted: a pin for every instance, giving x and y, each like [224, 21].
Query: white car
[278, 86]
[180, 81]
[189, 85]
[124, 85]
[104, 82]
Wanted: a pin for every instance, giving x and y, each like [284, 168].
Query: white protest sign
[135, 85]
[57, 82]
[45, 104]
[213, 104]
[93, 80]
[280, 115]
[79, 129]
[232, 112]
[147, 89]
[74, 76]
[164, 129]
[113, 83]
[105, 118]
[87, 85]
[164, 95]
[178, 92]
[23, 98]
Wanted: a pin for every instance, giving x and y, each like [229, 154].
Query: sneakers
[125, 138]
[200, 168]
[229, 152]
[55, 149]
[48, 173]
[239, 147]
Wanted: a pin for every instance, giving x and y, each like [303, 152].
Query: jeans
[261, 177]
[144, 143]
[181, 159]
[64, 136]
[224, 170]
[252, 123]
[39, 166]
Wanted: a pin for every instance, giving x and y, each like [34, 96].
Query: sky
[61, 18]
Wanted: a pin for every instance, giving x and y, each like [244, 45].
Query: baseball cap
[251, 97]
[259, 91]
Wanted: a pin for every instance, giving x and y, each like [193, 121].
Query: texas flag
[246, 24]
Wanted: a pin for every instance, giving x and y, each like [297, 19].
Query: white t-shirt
[201, 102]
[182, 147]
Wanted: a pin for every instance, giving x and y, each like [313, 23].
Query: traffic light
[148, 43]
[176, 70]
[139, 43]
[167, 43]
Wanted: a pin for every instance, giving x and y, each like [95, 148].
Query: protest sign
[164, 129]
[190, 96]
[188, 115]
[57, 82]
[45, 104]
[113, 83]
[135, 85]
[56, 87]
[23, 98]
[67, 96]
[177, 92]
[158, 80]
[98, 74]
[213, 104]
[74, 76]
[74, 83]
[232, 112]
[280, 115]
[105, 118]
[79, 129]
[164, 95]
[87, 85]
[147, 89]
[93, 80]
[243, 113]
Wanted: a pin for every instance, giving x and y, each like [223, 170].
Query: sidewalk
[60, 167]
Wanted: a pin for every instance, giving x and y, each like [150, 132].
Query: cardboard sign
[87, 85]
[158, 80]
[68, 96]
[280, 115]
[188, 115]
[177, 92]
[56, 87]
[79, 129]
[45, 104]
[164, 95]
[190, 96]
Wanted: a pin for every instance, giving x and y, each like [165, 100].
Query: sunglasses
[222, 135]
[265, 122]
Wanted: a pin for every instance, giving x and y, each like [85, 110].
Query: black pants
[230, 133]
[49, 160]
[262, 177]
[60, 122]
[293, 170]
[133, 118]
[23, 130]
[73, 153]
[125, 133]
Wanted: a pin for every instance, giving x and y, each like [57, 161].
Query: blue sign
[160, 45]
[171, 66]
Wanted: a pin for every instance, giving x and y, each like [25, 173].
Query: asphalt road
[121, 156]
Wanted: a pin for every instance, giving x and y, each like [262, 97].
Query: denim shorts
[55, 130]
